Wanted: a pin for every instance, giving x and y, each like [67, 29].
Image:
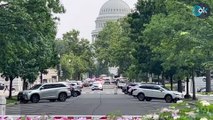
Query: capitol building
[112, 10]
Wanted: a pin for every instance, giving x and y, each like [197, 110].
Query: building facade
[51, 76]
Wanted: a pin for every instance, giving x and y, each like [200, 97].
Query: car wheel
[75, 94]
[168, 98]
[148, 99]
[62, 97]
[52, 100]
[141, 97]
[34, 99]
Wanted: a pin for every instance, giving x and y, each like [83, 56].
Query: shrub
[200, 110]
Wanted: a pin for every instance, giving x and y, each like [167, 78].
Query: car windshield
[35, 87]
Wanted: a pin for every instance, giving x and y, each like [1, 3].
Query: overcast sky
[81, 15]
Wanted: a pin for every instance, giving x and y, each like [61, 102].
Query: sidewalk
[208, 98]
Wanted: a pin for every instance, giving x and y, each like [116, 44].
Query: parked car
[2, 86]
[86, 83]
[75, 89]
[47, 91]
[97, 86]
[150, 91]
[107, 81]
[80, 83]
[121, 84]
[128, 86]
[133, 88]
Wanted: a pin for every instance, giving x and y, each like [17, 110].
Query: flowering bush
[201, 110]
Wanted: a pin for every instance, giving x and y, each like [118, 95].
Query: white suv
[46, 91]
[149, 91]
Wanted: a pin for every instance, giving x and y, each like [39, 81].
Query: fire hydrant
[2, 105]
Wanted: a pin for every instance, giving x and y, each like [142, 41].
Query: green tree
[113, 47]
[28, 30]
[76, 55]
[137, 21]
[179, 38]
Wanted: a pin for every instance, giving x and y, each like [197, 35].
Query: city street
[91, 103]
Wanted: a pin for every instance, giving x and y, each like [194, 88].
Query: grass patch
[12, 100]
[168, 86]
[206, 93]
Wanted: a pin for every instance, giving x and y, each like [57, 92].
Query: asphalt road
[90, 103]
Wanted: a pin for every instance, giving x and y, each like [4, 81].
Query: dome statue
[111, 10]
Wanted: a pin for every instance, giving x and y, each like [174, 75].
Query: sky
[81, 15]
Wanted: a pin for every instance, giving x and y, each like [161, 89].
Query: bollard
[2, 105]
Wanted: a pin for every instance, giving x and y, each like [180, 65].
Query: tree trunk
[24, 84]
[10, 88]
[208, 81]
[158, 79]
[163, 80]
[193, 85]
[180, 86]
[171, 81]
[79, 76]
[41, 77]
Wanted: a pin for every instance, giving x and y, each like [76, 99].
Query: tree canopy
[76, 55]
[27, 37]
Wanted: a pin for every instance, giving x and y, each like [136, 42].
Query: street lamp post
[187, 88]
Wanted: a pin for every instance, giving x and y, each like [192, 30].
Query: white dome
[115, 7]
[112, 10]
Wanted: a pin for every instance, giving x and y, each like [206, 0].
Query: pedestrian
[6, 88]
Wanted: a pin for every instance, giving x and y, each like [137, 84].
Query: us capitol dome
[112, 10]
